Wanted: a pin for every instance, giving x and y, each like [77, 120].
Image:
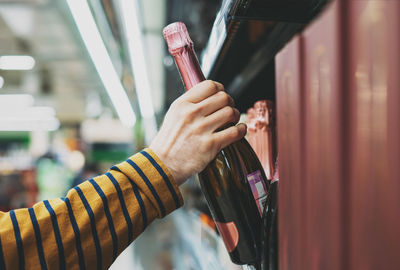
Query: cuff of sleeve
[155, 181]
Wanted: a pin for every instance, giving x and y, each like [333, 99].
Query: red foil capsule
[181, 48]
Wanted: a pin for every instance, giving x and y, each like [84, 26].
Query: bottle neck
[188, 65]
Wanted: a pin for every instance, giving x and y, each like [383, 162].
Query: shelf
[246, 36]
[273, 42]
[296, 11]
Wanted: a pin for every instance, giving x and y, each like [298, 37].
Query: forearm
[95, 222]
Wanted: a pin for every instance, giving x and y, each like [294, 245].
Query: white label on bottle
[259, 189]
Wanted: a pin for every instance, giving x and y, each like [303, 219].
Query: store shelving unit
[246, 36]
[332, 68]
[244, 41]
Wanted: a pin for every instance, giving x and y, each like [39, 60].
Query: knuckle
[201, 126]
[225, 98]
[196, 109]
[207, 144]
[184, 113]
[220, 85]
[192, 111]
[176, 104]
[235, 132]
[230, 112]
[213, 145]
[218, 145]
[237, 115]
[211, 85]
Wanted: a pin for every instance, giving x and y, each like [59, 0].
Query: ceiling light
[137, 55]
[16, 62]
[101, 59]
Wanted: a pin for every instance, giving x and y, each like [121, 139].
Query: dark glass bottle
[269, 255]
[234, 183]
[273, 242]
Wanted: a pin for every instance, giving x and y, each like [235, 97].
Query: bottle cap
[264, 108]
[260, 107]
[251, 114]
[251, 120]
[177, 36]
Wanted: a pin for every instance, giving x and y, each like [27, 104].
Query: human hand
[188, 139]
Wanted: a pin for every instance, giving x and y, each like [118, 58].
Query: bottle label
[229, 234]
[259, 189]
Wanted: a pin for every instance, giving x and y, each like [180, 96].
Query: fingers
[215, 102]
[227, 136]
[202, 91]
[222, 117]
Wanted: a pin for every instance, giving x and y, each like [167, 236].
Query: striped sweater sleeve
[94, 223]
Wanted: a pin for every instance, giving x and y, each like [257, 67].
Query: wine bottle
[234, 183]
[269, 255]
[251, 128]
[265, 136]
[273, 240]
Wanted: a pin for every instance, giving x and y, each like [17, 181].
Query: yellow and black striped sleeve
[94, 223]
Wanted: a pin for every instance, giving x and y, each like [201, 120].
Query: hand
[188, 139]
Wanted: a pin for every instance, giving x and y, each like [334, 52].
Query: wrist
[165, 157]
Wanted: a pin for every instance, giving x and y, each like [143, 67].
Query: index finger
[202, 91]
